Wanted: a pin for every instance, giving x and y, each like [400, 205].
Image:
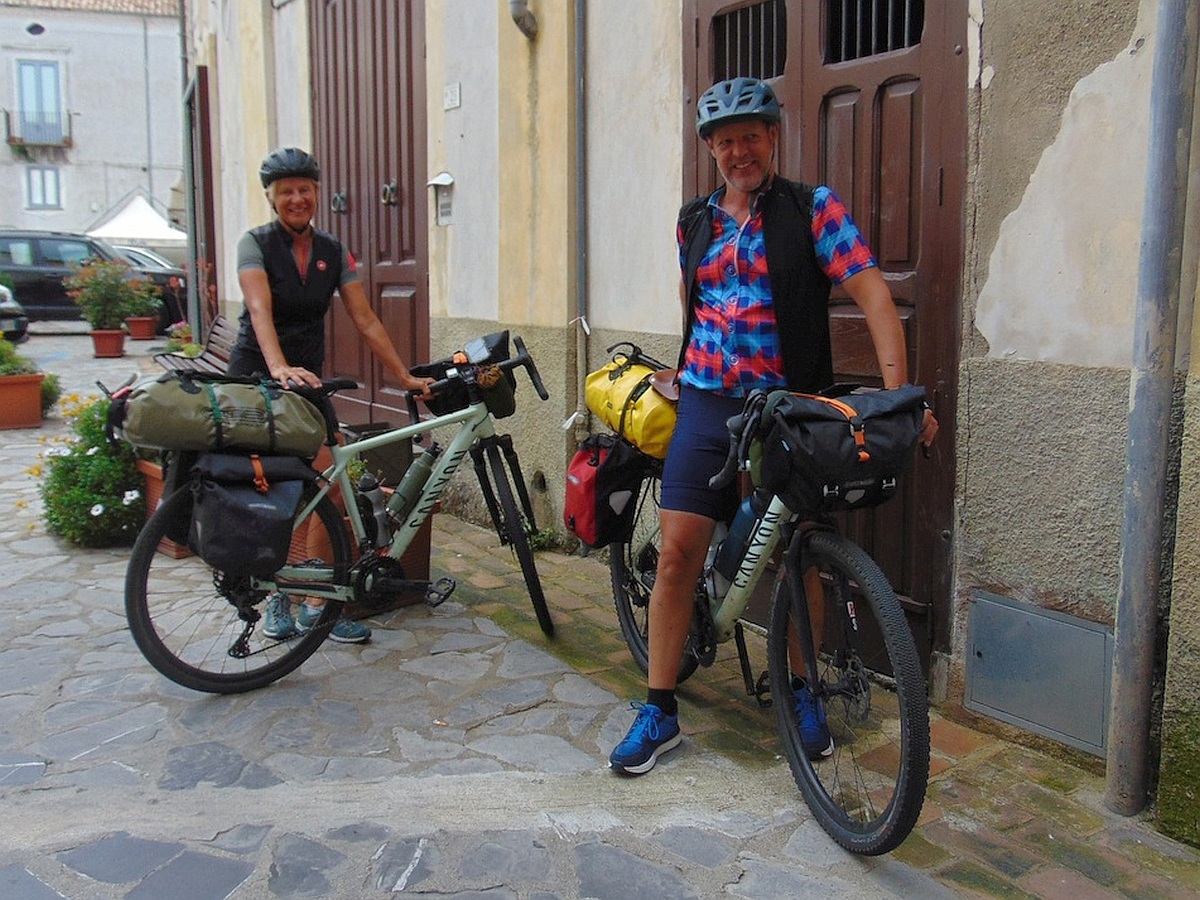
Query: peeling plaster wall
[1056, 175]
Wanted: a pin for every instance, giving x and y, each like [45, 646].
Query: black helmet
[734, 101]
[288, 162]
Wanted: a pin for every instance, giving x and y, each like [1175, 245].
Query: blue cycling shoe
[653, 733]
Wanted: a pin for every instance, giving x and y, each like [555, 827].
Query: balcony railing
[37, 129]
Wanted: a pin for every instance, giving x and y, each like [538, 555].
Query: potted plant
[106, 291]
[91, 487]
[142, 317]
[181, 341]
[26, 392]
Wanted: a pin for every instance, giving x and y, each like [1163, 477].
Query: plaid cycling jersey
[733, 347]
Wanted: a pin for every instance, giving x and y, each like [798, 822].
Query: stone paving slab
[459, 754]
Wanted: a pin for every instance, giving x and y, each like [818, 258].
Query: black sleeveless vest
[298, 306]
[799, 289]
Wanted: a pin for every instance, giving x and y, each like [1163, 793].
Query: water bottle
[404, 499]
[369, 489]
[733, 550]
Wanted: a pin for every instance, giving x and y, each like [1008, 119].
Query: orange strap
[260, 477]
[856, 424]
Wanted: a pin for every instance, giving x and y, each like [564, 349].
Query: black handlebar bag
[244, 510]
[830, 454]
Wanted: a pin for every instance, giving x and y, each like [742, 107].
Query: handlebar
[742, 429]
[466, 373]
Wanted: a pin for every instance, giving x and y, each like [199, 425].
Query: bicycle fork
[504, 442]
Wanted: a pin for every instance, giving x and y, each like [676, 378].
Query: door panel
[873, 106]
[369, 117]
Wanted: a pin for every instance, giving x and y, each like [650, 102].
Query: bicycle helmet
[288, 162]
[735, 100]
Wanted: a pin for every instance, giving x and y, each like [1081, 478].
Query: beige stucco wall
[259, 85]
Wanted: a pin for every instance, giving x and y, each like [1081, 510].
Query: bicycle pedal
[439, 590]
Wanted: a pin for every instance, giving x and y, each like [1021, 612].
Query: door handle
[338, 203]
[387, 193]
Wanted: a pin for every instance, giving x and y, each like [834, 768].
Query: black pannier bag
[244, 509]
[603, 479]
[829, 454]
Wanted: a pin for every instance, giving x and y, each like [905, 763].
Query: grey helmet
[735, 100]
[288, 162]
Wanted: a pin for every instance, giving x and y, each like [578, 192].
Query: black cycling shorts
[698, 449]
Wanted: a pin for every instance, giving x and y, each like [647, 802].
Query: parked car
[13, 321]
[38, 261]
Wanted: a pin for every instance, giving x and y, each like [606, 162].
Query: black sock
[664, 700]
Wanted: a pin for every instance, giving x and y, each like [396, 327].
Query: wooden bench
[214, 359]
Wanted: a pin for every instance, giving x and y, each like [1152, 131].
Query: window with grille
[858, 28]
[751, 41]
[42, 187]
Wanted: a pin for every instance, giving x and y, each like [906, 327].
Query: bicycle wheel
[200, 628]
[518, 537]
[868, 793]
[633, 566]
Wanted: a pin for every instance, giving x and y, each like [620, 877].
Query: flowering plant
[180, 339]
[107, 292]
[92, 490]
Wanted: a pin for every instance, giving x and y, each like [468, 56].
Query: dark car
[38, 261]
[13, 321]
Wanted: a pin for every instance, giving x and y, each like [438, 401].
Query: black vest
[298, 306]
[799, 289]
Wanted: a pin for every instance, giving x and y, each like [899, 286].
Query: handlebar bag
[623, 396]
[828, 454]
[496, 387]
[603, 479]
[244, 510]
[187, 411]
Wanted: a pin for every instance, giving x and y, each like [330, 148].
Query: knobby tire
[185, 626]
[868, 794]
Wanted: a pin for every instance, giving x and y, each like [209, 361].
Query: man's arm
[868, 289]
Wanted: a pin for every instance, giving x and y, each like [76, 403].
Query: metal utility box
[1038, 669]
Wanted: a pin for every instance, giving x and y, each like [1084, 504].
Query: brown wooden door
[369, 120]
[874, 100]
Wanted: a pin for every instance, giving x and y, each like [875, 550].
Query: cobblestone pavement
[460, 754]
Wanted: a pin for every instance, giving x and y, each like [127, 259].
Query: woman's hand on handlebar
[418, 387]
[295, 376]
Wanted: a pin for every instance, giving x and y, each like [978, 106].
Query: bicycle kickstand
[760, 690]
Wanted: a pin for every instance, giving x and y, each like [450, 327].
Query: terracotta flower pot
[108, 344]
[21, 401]
[142, 328]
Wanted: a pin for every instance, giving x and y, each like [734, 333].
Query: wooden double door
[874, 105]
[368, 72]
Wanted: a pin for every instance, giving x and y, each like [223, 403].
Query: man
[288, 272]
[758, 258]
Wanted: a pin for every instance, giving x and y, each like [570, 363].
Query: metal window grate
[858, 28]
[751, 41]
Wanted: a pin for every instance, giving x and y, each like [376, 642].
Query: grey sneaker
[344, 631]
[278, 624]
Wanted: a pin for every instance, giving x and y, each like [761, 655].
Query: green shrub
[92, 491]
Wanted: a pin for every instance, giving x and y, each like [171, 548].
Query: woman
[288, 272]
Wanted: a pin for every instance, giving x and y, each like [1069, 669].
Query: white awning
[138, 222]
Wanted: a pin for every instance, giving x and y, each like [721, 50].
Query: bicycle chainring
[371, 572]
[703, 640]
